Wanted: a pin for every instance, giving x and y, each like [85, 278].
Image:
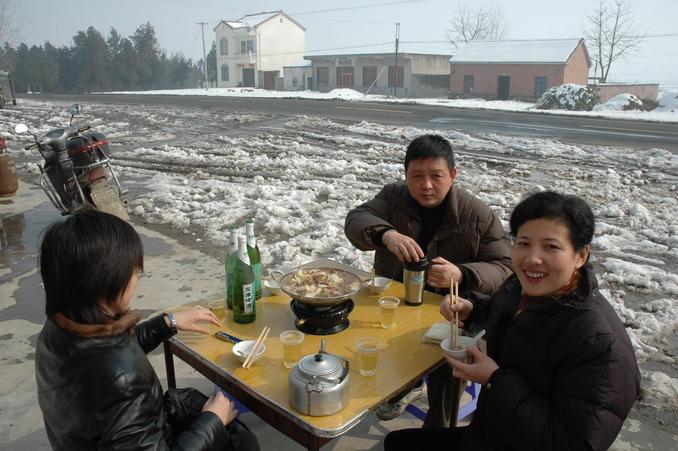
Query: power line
[347, 8]
[311, 19]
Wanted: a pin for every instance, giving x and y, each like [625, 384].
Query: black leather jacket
[101, 393]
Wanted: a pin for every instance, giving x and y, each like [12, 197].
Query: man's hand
[404, 247]
[441, 272]
[188, 319]
[221, 406]
[479, 370]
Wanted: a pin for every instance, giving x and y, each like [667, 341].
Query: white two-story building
[253, 50]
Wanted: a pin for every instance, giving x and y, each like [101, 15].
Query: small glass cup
[368, 355]
[291, 342]
[388, 305]
[217, 306]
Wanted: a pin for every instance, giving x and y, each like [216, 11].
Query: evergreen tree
[212, 65]
[148, 51]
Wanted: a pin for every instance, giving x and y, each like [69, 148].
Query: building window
[392, 81]
[323, 76]
[295, 81]
[468, 84]
[247, 47]
[223, 46]
[369, 75]
[224, 72]
[539, 86]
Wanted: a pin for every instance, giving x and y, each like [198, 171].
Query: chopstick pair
[262, 336]
[454, 326]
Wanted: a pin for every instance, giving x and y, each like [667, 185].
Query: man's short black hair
[429, 146]
[90, 256]
[572, 211]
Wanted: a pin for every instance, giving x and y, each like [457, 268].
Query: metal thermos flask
[414, 278]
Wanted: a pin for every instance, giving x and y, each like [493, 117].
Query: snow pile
[569, 96]
[620, 102]
[658, 390]
[668, 103]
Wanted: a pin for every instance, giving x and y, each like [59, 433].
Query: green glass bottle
[244, 302]
[255, 256]
[231, 256]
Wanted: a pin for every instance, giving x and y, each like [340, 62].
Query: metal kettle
[318, 384]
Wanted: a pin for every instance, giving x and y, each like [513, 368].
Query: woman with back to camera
[96, 387]
[560, 371]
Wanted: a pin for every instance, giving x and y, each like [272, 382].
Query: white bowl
[459, 353]
[242, 349]
[380, 285]
[272, 286]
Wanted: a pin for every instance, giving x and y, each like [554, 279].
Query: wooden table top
[405, 357]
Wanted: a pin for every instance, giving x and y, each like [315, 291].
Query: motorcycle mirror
[74, 109]
[20, 128]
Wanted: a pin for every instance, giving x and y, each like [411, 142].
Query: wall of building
[642, 91]
[430, 64]
[358, 63]
[430, 86]
[235, 59]
[302, 74]
[485, 81]
[577, 67]
[281, 43]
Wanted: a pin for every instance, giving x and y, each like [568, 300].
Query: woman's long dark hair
[91, 256]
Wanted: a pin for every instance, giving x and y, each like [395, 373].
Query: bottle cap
[421, 265]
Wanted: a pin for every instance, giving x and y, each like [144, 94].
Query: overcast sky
[331, 25]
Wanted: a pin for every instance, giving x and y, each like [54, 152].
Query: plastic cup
[291, 343]
[388, 306]
[217, 306]
[368, 355]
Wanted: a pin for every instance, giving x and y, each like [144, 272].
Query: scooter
[76, 173]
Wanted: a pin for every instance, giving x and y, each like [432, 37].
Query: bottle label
[248, 298]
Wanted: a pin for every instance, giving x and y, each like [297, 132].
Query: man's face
[429, 180]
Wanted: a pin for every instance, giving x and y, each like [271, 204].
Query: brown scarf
[569, 287]
[112, 327]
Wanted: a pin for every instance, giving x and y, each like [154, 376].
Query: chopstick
[454, 299]
[262, 336]
[373, 276]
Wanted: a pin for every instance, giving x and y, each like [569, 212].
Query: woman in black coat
[96, 387]
[560, 371]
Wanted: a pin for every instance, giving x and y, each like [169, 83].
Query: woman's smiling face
[544, 258]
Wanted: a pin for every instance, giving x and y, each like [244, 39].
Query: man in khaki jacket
[428, 215]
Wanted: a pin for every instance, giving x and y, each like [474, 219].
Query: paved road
[585, 130]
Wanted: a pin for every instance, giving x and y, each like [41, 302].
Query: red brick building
[517, 69]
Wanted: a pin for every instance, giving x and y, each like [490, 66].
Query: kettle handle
[344, 373]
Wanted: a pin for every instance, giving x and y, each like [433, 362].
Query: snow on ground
[355, 96]
[203, 170]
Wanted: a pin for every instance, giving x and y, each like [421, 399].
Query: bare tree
[612, 35]
[10, 25]
[469, 24]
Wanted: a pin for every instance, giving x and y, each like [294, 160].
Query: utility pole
[395, 77]
[204, 55]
